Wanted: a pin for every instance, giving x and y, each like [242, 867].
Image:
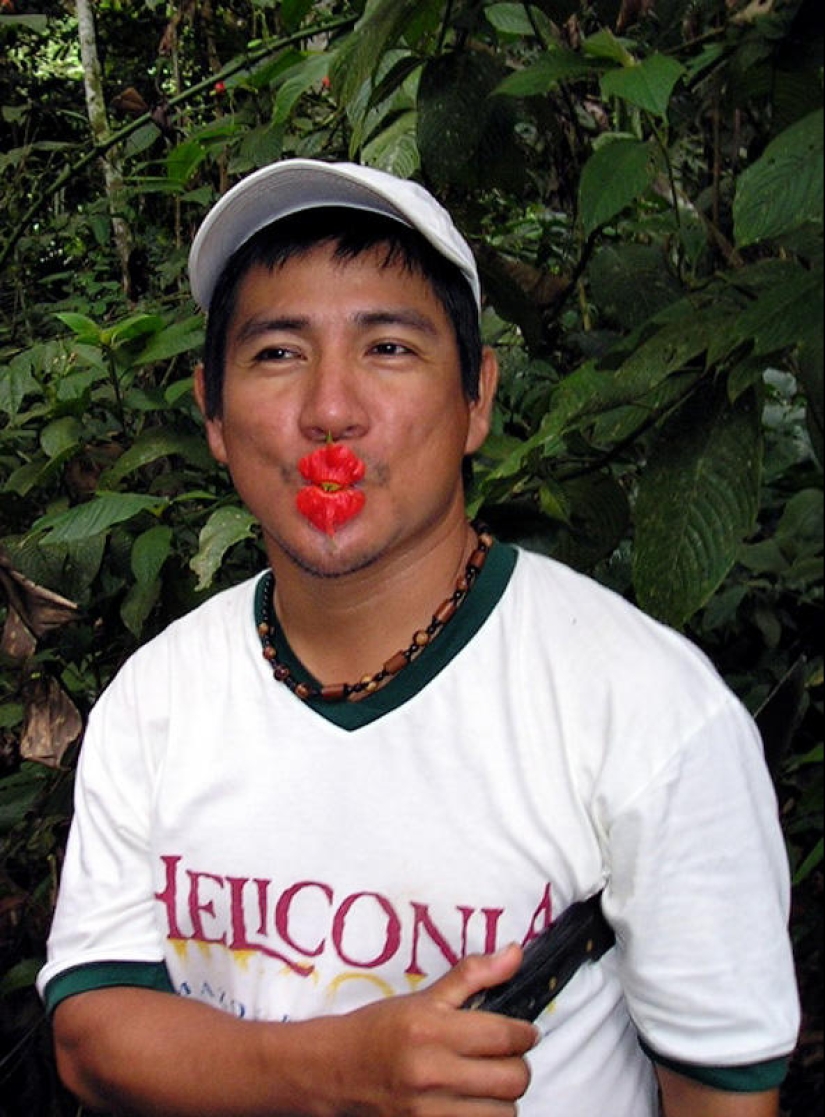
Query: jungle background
[642, 181]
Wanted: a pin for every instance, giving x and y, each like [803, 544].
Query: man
[321, 813]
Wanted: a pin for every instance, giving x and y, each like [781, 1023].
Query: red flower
[329, 510]
[219, 88]
[332, 464]
[329, 500]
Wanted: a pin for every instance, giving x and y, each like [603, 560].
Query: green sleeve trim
[106, 975]
[751, 1079]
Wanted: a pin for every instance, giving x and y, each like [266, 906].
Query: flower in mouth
[330, 499]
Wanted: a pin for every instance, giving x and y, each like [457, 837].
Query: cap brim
[296, 185]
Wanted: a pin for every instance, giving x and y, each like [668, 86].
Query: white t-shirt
[283, 861]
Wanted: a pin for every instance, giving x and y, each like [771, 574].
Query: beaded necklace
[351, 692]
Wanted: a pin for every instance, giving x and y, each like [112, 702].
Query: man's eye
[274, 353]
[390, 349]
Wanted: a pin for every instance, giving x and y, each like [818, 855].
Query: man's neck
[346, 627]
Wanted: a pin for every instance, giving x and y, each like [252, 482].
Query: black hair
[354, 232]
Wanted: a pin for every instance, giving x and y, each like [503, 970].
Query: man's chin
[328, 556]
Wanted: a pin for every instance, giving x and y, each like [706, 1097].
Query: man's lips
[329, 500]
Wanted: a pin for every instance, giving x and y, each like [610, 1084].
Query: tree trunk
[99, 121]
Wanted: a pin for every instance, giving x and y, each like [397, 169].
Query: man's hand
[140, 1052]
[419, 1054]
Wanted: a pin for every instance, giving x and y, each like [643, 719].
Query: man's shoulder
[212, 627]
[589, 619]
[226, 607]
[566, 589]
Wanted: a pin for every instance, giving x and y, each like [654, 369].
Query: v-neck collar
[485, 594]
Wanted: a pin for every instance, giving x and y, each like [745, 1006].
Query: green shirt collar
[479, 604]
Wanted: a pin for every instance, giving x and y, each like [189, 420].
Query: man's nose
[334, 404]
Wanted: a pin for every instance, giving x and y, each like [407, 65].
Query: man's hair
[354, 232]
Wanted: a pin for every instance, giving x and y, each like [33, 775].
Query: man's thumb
[475, 973]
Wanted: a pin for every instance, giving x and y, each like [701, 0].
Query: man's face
[363, 355]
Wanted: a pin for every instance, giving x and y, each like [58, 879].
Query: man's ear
[481, 409]
[214, 426]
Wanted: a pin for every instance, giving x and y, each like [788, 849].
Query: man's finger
[477, 972]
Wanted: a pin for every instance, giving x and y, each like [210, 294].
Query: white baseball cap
[295, 185]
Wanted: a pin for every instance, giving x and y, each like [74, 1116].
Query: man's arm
[682, 1097]
[137, 1051]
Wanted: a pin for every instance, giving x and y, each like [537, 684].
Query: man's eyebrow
[400, 317]
[255, 327]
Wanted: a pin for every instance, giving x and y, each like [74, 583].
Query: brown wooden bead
[396, 663]
[445, 612]
[303, 691]
[334, 692]
[421, 638]
[281, 673]
[270, 653]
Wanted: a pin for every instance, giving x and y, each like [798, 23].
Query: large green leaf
[604, 44]
[599, 517]
[95, 517]
[682, 335]
[511, 19]
[84, 328]
[555, 66]
[460, 147]
[786, 315]
[393, 93]
[615, 175]
[697, 501]
[16, 382]
[153, 444]
[357, 59]
[69, 568]
[224, 528]
[395, 149]
[648, 85]
[621, 423]
[61, 435]
[183, 160]
[312, 70]
[138, 603]
[783, 190]
[130, 329]
[685, 332]
[150, 551]
[172, 340]
[631, 282]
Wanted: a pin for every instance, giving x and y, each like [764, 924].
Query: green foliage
[643, 184]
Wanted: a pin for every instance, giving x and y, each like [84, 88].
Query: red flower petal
[328, 511]
[332, 463]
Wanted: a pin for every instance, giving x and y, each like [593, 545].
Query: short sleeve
[104, 912]
[699, 896]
